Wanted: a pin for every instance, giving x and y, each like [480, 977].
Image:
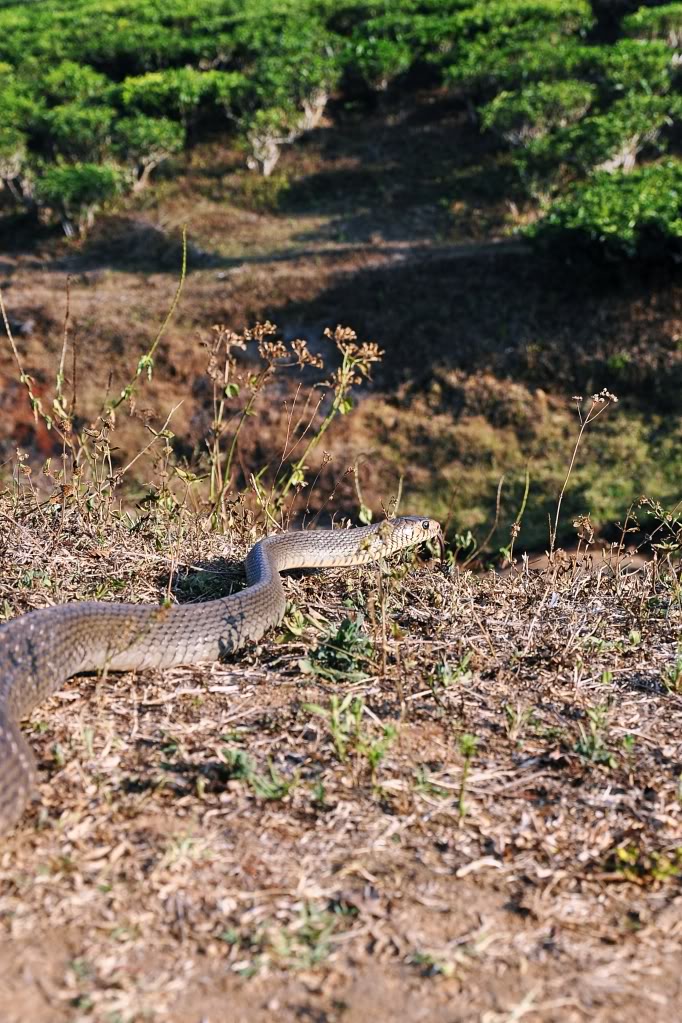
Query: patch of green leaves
[344, 655]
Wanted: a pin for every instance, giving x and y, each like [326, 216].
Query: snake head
[420, 529]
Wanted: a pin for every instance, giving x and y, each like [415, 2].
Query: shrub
[539, 108]
[144, 142]
[265, 132]
[531, 19]
[70, 82]
[631, 64]
[175, 93]
[625, 214]
[77, 132]
[656, 23]
[482, 69]
[605, 141]
[76, 191]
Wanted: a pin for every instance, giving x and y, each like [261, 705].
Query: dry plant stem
[600, 402]
[481, 549]
[156, 434]
[25, 379]
[59, 383]
[147, 360]
[345, 378]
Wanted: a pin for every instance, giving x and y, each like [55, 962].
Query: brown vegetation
[475, 816]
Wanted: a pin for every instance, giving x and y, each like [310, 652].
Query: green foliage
[134, 82]
[619, 212]
[631, 64]
[592, 742]
[656, 23]
[70, 82]
[606, 141]
[268, 786]
[342, 656]
[539, 108]
[176, 92]
[76, 191]
[78, 132]
[144, 142]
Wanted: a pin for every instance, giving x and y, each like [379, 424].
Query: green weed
[343, 656]
[592, 745]
[269, 786]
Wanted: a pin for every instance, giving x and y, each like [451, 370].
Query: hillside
[271, 264]
[485, 343]
[489, 193]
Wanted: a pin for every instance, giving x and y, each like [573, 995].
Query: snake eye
[425, 524]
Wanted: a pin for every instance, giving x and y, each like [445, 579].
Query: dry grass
[498, 840]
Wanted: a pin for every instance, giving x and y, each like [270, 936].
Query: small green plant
[374, 749]
[349, 733]
[592, 745]
[269, 786]
[343, 718]
[468, 744]
[517, 720]
[432, 965]
[634, 863]
[445, 674]
[300, 943]
[629, 745]
[424, 784]
[342, 656]
[671, 676]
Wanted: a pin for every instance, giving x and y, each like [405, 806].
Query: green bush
[175, 93]
[128, 80]
[622, 214]
[605, 141]
[77, 132]
[530, 19]
[656, 23]
[74, 192]
[536, 110]
[144, 142]
[483, 69]
[631, 64]
[70, 82]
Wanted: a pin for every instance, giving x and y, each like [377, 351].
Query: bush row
[95, 95]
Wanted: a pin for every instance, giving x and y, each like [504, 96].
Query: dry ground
[489, 831]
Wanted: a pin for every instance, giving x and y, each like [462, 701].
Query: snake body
[41, 649]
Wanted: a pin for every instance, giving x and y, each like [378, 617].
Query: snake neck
[321, 548]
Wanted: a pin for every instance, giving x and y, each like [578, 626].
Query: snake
[41, 649]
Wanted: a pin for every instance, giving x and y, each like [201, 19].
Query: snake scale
[41, 649]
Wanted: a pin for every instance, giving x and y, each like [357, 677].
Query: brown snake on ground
[41, 649]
